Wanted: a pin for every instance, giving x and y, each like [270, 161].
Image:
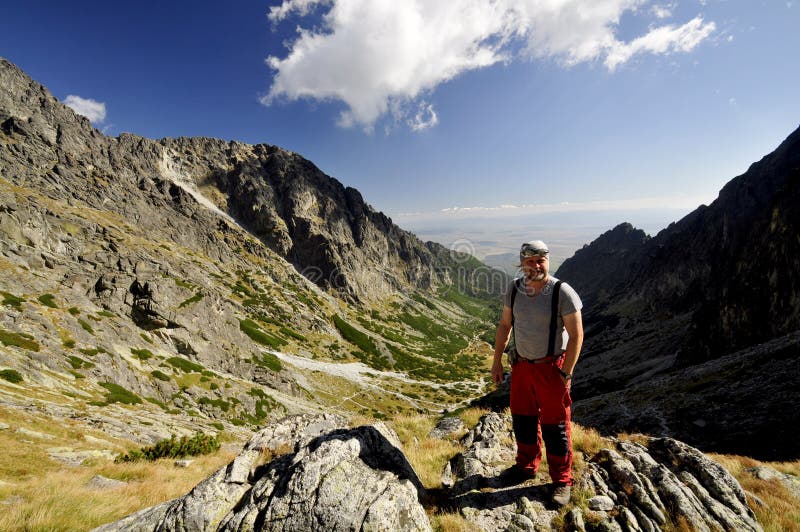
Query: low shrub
[92, 351]
[160, 375]
[11, 375]
[142, 354]
[194, 299]
[219, 403]
[118, 394]
[354, 336]
[187, 366]
[251, 329]
[288, 332]
[269, 361]
[25, 341]
[146, 338]
[78, 363]
[174, 447]
[74, 311]
[106, 314]
[86, 327]
[47, 300]
[69, 343]
[10, 300]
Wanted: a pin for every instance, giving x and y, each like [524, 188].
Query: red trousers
[540, 410]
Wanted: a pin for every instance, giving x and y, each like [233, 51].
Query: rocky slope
[724, 279]
[318, 474]
[156, 287]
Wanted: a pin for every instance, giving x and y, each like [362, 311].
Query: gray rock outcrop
[629, 487]
[331, 478]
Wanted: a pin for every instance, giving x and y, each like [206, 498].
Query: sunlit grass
[60, 499]
[781, 509]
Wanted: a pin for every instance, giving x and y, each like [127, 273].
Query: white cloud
[381, 57]
[661, 40]
[663, 11]
[93, 110]
[502, 211]
[301, 7]
[425, 118]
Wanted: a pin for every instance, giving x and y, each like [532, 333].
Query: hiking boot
[561, 494]
[514, 475]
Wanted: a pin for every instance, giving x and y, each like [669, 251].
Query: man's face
[535, 268]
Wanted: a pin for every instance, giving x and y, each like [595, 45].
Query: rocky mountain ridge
[723, 280]
[212, 285]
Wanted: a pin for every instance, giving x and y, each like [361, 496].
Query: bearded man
[545, 316]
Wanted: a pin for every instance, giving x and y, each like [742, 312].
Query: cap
[534, 248]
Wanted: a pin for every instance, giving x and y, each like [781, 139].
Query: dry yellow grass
[427, 455]
[452, 522]
[60, 500]
[780, 509]
[48, 495]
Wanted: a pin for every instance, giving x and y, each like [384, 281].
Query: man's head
[534, 259]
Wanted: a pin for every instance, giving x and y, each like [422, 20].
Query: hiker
[540, 309]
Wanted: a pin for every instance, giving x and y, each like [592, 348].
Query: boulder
[331, 478]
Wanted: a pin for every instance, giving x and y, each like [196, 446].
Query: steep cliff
[724, 279]
[201, 282]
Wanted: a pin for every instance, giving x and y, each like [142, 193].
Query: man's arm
[574, 326]
[500, 343]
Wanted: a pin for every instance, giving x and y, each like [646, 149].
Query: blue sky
[429, 108]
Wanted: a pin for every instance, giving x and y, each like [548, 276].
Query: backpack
[551, 341]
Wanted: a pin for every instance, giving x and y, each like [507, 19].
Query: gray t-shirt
[532, 317]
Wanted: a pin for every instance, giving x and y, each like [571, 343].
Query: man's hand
[497, 371]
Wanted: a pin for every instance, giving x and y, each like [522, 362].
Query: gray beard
[536, 276]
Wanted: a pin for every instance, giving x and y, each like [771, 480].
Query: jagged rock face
[666, 481]
[724, 278]
[333, 478]
[325, 229]
[601, 265]
[732, 268]
[630, 487]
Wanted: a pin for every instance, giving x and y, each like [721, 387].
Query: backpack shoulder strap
[551, 343]
[517, 287]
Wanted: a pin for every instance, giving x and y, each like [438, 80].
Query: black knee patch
[555, 439]
[525, 428]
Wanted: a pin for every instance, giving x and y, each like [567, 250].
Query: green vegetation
[182, 283]
[218, 403]
[288, 332]
[47, 300]
[269, 361]
[160, 375]
[146, 338]
[10, 300]
[11, 375]
[106, 314]
[251, 329]
[78, 363]
[69, 343]
[92, 351]
[194, 299]
[187, 366]
[86, 327]
[118, 394]
[354, 336]
[419, 299]
[74, 311]
[25, 341]
[217, 425]
[142, 354]
[198, 444]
